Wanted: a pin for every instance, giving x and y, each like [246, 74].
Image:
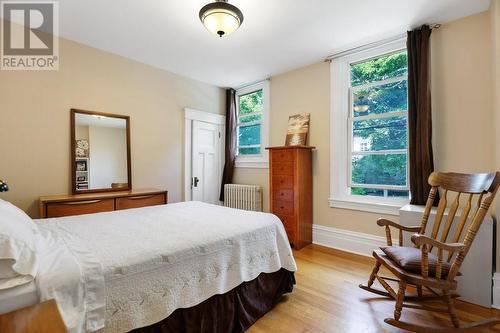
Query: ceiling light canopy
[221, 18]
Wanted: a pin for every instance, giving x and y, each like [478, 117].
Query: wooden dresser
[78, 204]
[290, 178]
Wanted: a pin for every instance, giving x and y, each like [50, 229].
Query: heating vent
[247, 197]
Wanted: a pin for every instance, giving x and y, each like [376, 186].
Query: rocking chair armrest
[420, 240]
[386, 222]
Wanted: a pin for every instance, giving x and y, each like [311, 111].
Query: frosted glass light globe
[221, 18]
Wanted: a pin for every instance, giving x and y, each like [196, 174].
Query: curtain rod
[251, 84]
[365, 46]
[373, 44]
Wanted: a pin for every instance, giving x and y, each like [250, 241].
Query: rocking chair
[417, 266]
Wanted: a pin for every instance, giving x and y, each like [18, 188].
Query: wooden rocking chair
[419, 267]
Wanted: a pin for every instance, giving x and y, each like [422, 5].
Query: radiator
[247, 197]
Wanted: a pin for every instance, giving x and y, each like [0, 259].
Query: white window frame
[260, 160]
[341, 141]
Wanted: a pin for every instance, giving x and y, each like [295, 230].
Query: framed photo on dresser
[298, 128]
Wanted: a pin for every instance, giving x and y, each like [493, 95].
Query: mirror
[100, 152]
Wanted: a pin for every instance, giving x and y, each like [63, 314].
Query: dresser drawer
[291, 233]
[283, 168]
[282, 155]
[80, 207]
[283, 208]
[283, 195]
[140, 201]
[288, 221]
[282, 182]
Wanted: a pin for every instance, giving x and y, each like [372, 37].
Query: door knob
[195, 181]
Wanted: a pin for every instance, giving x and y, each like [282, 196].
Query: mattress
[18, 297]
[135, 267]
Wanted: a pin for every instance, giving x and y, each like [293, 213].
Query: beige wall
[35, 120]
[464, 133]
[464, 130]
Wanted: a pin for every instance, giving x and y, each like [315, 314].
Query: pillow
[18, 246]
[410, 259]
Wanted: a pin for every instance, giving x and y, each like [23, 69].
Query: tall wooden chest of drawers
[290, 180]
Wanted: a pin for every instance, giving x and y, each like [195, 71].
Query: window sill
[387, 207]
[252, 164]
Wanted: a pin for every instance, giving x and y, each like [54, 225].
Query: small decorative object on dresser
[290, 178]
[79, 204]
[298, 127]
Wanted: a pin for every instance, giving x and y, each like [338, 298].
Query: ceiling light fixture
[221, 18]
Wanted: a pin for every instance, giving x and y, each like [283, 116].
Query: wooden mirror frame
[73, 152]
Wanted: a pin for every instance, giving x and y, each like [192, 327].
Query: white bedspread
[137, 266]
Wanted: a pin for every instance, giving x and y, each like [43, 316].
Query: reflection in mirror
[100, 152]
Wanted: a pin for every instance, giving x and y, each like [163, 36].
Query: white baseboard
[348, 241]
[496, 291]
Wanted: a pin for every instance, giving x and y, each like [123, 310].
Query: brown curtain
[230, 150]
[419, 113]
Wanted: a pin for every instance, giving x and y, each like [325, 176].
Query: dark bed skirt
[234, 311]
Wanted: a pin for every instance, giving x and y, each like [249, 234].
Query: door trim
[212, 118]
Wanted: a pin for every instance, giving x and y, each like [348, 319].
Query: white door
[205, 162]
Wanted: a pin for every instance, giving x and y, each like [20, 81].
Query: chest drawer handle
[82, 202]
[282, 194]
[141, 197]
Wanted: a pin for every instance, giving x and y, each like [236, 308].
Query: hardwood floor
[327, 298]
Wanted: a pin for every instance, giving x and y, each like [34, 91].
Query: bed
[185, 267]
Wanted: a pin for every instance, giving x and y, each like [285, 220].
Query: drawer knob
[282, 194]
[282, 207]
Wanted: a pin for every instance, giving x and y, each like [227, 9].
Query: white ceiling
[276, 35]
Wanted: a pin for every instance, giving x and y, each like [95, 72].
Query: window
[250, 107]
[370, 151]
[252, 127]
